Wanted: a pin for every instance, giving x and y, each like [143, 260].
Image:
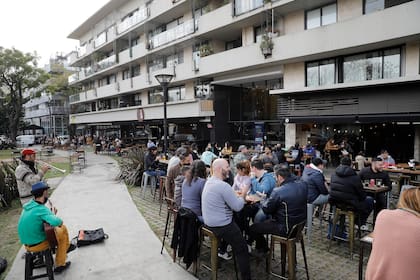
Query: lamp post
[164, 80]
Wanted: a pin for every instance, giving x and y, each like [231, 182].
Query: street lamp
[164, 80]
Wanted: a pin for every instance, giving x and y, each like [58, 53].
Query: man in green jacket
[31, 229]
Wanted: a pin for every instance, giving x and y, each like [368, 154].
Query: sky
[43, 25]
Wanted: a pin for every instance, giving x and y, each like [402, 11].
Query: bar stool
[346, 211]
[162, 191]
[213, 252]
[172, 211]
[48, 264]
[145, 179]
[288, 244]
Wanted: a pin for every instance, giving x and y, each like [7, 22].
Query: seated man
[346, 187]
[375, 171]
[313, 176]
[286, 205]
[218, 202]
[386, 158]
[151, 162]
[31, 230]
[262, 184]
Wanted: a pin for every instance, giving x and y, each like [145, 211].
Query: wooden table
[411, 172]
[366, 240]
[375, 190]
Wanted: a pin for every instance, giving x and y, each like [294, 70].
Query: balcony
[138, 17]
[74, 98]
[73, 78]
[100, 40]
[125, 85]
[106, 63]
[82, 96]
[173, 34]
[107, 90]
[244, 6]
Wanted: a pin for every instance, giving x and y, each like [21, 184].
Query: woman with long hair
[396, 240]
[192, 187]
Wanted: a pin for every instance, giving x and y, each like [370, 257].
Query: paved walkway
[93, 199]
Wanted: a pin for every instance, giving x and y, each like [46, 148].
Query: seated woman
[192, 188]
[395, 250]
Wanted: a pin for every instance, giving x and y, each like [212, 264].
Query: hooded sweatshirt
[346, 186]
[30, 225]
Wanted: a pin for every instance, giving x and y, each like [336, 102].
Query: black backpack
[87, 237]
[3, 264]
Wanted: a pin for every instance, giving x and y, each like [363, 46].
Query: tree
[18, 73]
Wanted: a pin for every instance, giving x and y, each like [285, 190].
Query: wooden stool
[172, 211]
[162, 191]
[213, 252]
[48, 264]
[346, 211]
[288, 244]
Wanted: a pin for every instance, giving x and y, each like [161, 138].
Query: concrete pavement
[93, 199]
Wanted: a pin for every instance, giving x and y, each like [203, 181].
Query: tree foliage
[18, 73]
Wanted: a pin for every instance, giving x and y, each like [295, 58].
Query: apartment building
[251, 70]
[48, 114]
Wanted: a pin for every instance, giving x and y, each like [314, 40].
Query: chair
[162, 191]
[346, 211]
[172, 211]
[213, 252]
[310, 212]
[288, 244]
[145, 180]
[48, 264]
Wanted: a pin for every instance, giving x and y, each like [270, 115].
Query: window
[321, 16]
[177, 58]
[234, 44]
[371, 6]
[126, 74]
[320, 73]
[135, 70]
[372, 66]
[174, 94]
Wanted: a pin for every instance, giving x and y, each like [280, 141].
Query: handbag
[87, 237]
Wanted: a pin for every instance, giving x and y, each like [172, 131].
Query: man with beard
[27, 174]
[218, 202]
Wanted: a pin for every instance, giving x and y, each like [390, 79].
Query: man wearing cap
[240, 156]
[31, 230]
[26, 174]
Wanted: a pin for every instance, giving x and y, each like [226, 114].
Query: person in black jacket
[286, 205]
[151, 162]
[317, 190]
[346, 187]
[375, 172]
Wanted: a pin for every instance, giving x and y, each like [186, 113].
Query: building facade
[47, 112]
[249, 71]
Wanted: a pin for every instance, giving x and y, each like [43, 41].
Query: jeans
[321, 199]
[156, 172]
[233, 236]
[257, 231]
[261, 216]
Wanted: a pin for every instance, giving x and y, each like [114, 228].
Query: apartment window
[126, 74]
[174, 94]
[177, 58]
[321, 16]
[234, 44]
[372, 66]
[320, 73]
[137, 99]
[371, 6]
[135, 70]
[135, 41]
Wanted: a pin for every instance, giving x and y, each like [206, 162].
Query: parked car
[25, 140]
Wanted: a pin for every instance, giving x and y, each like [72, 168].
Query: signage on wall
[259, 132]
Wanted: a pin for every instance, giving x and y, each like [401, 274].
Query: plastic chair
[145, 180]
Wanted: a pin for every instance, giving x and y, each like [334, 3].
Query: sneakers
[60, 269]
[249, 248]
[225, 256]
[72, 247]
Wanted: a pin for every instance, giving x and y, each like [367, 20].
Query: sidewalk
[93, 199]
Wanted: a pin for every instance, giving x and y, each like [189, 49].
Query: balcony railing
[107, 62]
[244, 6]
[73, 78]
[74, 98]
[100, 40]
[81, 51]
[170, 35]
[136, 18]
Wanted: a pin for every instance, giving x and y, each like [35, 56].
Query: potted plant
[266, 45]
[205, 50]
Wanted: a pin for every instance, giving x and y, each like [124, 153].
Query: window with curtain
[321, 16]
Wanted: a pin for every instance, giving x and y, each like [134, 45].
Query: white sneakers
[225, 256]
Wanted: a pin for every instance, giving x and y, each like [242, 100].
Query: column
[417, 143]
[290, 135]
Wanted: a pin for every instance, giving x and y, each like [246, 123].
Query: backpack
[3, 264]
[87, 237]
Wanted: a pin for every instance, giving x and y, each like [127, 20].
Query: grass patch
[52, 173]
[7, 154]
[9, 241]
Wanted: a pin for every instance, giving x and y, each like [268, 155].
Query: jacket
[315, 181]
[347, 187]
[31, 222]
[265, 184]
[150, 162]
[287, 203]
[185, 236]
[25, 178]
